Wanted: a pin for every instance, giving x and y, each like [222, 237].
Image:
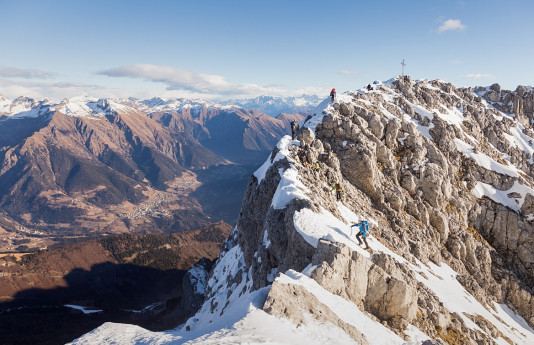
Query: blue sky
[227, 49]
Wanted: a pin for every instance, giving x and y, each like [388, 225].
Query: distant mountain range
[276, 105]
[85, 166]
[270, 105]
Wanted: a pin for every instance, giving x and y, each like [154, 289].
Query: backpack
[365, 229]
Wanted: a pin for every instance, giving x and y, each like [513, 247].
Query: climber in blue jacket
[364, 230]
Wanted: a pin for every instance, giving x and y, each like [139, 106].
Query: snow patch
[386, 113]
[521, 141]
[199, 276]
[84, 310]
[442, 281]
[484, 160]
[283, 152]
[289, 188]
[482, 189]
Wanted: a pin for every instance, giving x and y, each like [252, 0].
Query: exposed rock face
[425, 180]
[289, 250]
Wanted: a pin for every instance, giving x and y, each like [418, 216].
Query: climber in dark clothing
[333, 95]
[362, 234]
[339, 191]
[294, 127]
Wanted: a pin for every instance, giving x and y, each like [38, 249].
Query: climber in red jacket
[333, 94]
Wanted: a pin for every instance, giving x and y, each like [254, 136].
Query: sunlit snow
[484, 160]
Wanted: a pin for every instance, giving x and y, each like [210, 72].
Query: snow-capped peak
[275, 105]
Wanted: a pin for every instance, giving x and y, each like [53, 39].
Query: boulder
[346, 109]
[350, 275]
[376, 127]
[341, 271]
[439, 221]
[306, 136]
[384, 156]
[521, 90]
[528, 204]
[392, 133]
[408, 182]
[493, 96]
[359, 168]
[390, 299]
[433, 184]
[495, 87]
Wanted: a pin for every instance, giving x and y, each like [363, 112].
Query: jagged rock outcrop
[349, 274]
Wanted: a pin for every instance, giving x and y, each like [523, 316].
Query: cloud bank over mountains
[187, 80]
[177, 82]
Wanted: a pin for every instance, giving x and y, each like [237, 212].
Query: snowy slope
[232, 314]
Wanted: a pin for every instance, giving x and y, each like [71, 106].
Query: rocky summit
[445, 178]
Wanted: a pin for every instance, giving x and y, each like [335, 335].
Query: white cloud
[13, 72]
[478, 76]
[348, 72]
[451, 24]
[39, 90]
[189, 81]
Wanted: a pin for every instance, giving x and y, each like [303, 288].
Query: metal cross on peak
[403, 65]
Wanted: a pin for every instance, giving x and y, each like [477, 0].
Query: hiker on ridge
[294, 127]
[362, 234]
[333, 94]
[339, 191]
